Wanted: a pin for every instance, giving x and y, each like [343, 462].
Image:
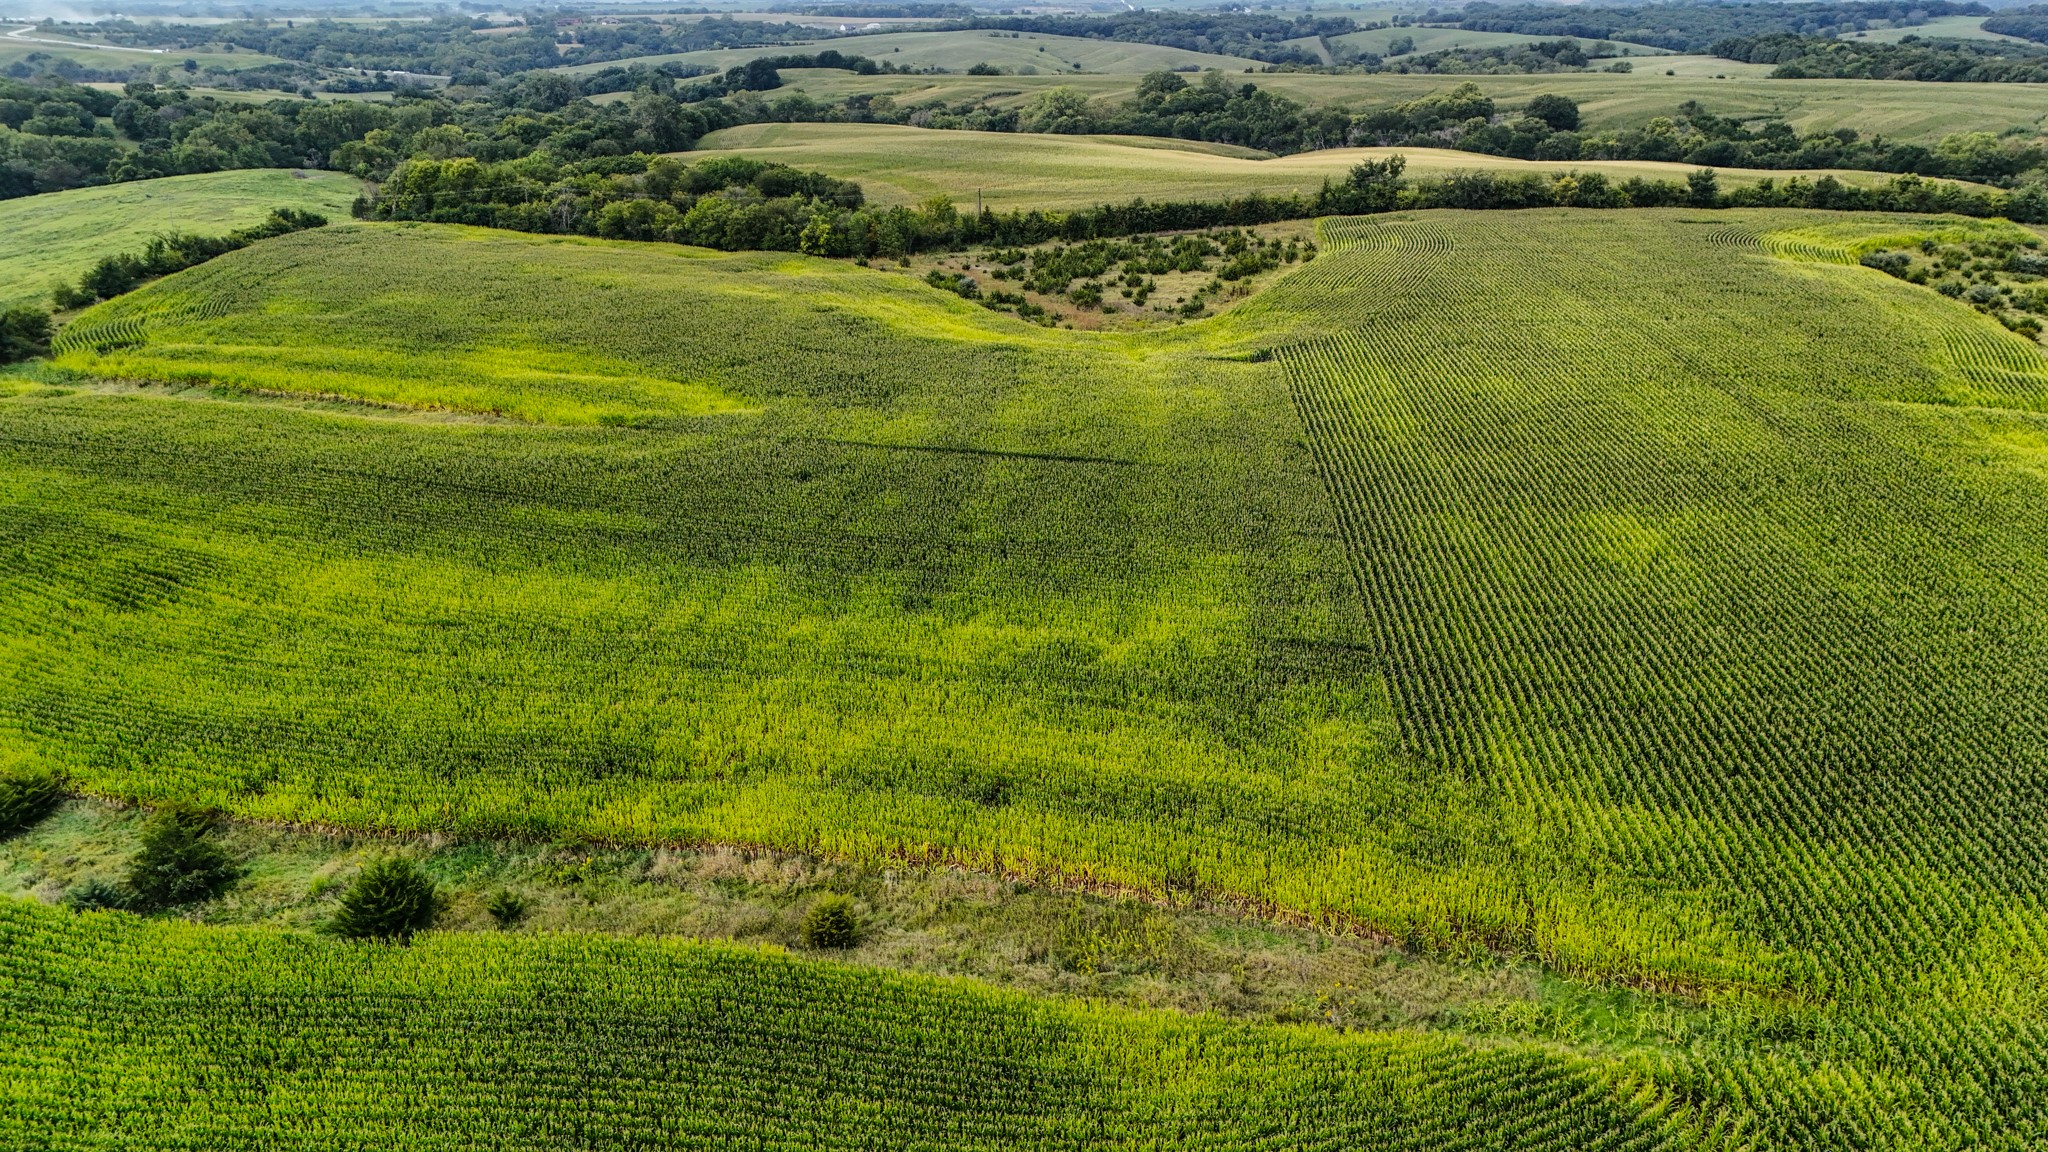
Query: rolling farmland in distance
[958, 51]
[1646, 593]
[1922, 113]
[904, 165]
[1424, 39]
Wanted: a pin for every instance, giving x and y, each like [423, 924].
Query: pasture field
[1918, 112]
[1651, 594]
[18, 43]
[1938, 28]
[1438, 39]
[57, 236]
[962, 50]
[171, 1036]
[902, 165]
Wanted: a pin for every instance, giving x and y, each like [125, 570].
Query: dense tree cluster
[57, 136]
[51, 137]
[1565, 55]
[2030, 23]
[1167, 105]
[1805, 57]
[1694, 27]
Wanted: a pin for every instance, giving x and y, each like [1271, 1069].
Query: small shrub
[390, 900]
[831, 923]
[508, 908]
[96, 895]
[24, 334]
[25, 800]
[179, 864]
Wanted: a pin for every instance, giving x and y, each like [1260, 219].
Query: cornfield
[121, 1033]
[1655, 595]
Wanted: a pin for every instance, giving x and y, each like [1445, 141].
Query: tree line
[736, 203]
[1912, 58]
[1547, 127]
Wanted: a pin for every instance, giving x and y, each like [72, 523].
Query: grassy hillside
[1939, 28]
[1917, 112]
[168, 1036]
[1439, 39]
[1651, 594]
[902, 165]
[57, 236]
[960, 51]
[20, 41]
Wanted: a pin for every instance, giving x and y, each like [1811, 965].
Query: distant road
[23, 34]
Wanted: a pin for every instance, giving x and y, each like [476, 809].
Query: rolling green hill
[59, 235]
[19, 42]
[902, 165]
[1938, 28]
[1651, 594]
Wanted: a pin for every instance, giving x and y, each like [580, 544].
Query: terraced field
[59, 235]
[1651, 594]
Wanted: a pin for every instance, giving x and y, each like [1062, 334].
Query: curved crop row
[114, 1032]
